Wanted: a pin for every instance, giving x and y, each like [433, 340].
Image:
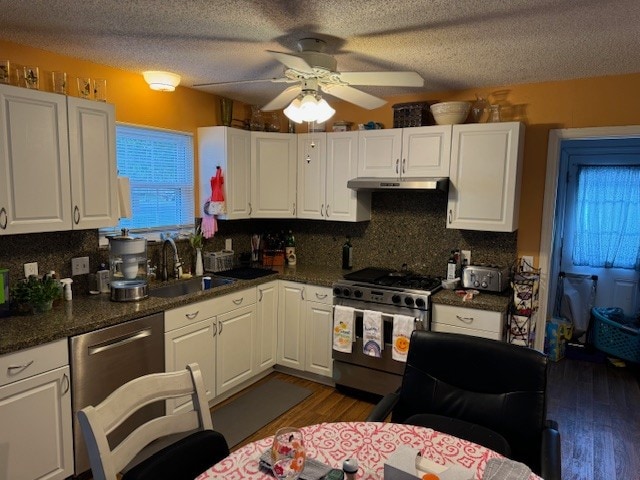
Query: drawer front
[469, 318]
[234, 300]
[313, 293]
[192, 313]
[443, 327]
[33, 361]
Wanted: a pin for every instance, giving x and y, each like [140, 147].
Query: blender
[128, 267]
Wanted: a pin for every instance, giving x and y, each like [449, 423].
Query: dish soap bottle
[347, 255]
[290, 249]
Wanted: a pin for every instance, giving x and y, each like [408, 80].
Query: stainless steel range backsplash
[405, 227]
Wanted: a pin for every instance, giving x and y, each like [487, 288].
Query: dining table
[370, 443]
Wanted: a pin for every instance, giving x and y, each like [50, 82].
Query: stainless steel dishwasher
[103, 360]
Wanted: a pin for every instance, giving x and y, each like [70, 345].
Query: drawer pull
[18, 369]
[238, 301]
[321, 297]
[215, 329]
[65, 382]
[467, 320]
[3, 218]
[193, 315]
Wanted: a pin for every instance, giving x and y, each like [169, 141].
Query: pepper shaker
[350, 468]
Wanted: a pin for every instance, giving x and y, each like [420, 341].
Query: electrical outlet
[526, 263]
[79, 266]
[466, 257]
[30, 269]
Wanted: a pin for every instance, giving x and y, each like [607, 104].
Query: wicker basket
[615, 334]
[414, 114]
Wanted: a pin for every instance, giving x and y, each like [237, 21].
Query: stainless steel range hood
[413, 183]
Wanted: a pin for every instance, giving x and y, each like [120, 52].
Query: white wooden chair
[185, 458]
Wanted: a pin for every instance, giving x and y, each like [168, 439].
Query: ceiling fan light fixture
[309, 108]
[293, 111]
[161, 81]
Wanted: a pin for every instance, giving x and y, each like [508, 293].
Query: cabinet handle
[302, 293]
[238, 301]
[17, 369]
[260, 297]
[397, 166]
[76, 215]
[404, 163]
[4, 218]
[215, 328]
[193, 315]
[327, 211]
[467, 320]
[250, 209]
[294, 208]
[322, 210]
[321, 297]
[450, 216]
[219, 328]
[65, 382]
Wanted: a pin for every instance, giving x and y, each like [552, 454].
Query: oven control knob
[476, 283]
[358, 294]
[346, 292]
[484, 285]
[408, 301]
[420, 302]
[395, 298]
[337, 291]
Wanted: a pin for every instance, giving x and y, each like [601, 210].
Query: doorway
[569, 148]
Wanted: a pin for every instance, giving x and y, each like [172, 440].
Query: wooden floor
[596, 405]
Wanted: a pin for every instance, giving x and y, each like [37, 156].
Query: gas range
[387, 287]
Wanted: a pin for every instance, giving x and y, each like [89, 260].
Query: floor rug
[253, 410]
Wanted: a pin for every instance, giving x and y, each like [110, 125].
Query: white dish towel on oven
[372, 333]
[402, 328]
[343, 333]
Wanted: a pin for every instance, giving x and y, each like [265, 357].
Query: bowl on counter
[450, 113]
[451, 284]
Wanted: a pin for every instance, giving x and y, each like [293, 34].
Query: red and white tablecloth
[369, 442]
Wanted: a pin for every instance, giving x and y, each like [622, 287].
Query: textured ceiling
[452, 44]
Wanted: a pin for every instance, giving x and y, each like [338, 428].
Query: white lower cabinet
[468, 321]
[266, 326]
[304, 328]
[35, 414]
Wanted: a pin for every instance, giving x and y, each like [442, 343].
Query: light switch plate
[465, 255]
[30, 269]
[79, 266]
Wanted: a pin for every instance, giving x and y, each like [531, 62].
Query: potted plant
[34, 295]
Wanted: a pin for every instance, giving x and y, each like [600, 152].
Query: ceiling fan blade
[383, 79]
[292, 61]
[239, 82]
[353, 95]
[283, 99]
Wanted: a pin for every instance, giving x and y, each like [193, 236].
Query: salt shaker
[350, 468]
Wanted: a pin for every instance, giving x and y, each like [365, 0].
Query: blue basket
[615, 334]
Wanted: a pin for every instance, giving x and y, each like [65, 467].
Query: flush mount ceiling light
[309, 107]
[161, 81]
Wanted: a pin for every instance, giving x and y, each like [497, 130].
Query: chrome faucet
[177, 264]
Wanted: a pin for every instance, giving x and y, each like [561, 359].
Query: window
[607, 228]
[159, 164]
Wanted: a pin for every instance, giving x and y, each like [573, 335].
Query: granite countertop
[86, 313]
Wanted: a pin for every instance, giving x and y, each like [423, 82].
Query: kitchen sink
[184, 287]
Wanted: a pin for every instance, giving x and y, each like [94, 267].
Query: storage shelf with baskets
[521, 323]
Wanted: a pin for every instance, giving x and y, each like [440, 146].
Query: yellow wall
[591, 102]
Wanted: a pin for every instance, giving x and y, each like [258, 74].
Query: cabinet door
[36, 439]
[379, 152]
[485, 176]
[312, 167]
[92, 155]
[291, 325]
[342, 203]
[273, 175]
[319, 322]
[235, 349]
[426, 151]
[193, 343]
[34, 162]
[267, 326]
[230, 149]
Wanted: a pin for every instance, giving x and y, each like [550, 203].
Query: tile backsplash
[406, 227]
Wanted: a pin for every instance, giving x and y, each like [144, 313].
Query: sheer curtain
[608, 217]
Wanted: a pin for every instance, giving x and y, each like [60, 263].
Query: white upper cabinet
[405, 152]
[485, 176]
[230, 149]
[312, 175]
[57, 162]
[92, 156]
[273, 175]
[34, 162]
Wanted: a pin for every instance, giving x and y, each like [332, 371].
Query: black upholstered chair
[489, 392]
[198, 448]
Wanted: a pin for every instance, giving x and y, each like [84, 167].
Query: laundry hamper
[615, 334]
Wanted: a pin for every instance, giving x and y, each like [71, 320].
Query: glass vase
[199, 264]
[480, 109]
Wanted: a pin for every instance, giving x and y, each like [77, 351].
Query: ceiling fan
[312, 70]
